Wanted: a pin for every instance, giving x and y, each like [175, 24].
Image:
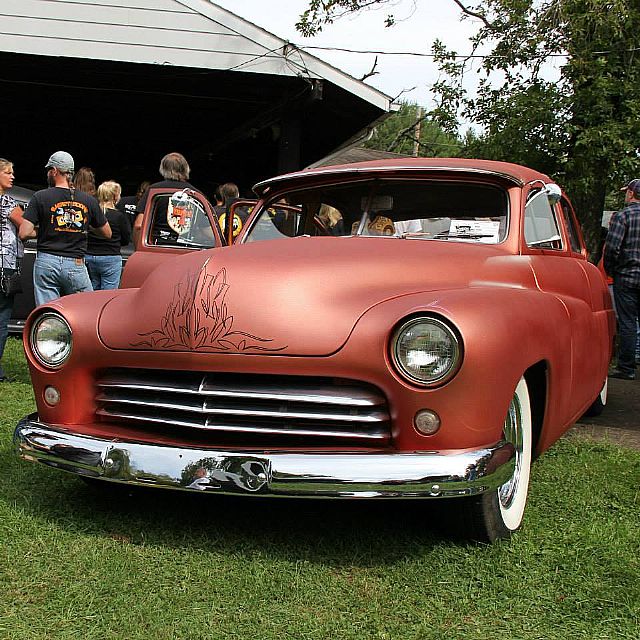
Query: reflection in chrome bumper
[286, 473]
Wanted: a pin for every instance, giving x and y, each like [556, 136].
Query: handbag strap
[2, 238]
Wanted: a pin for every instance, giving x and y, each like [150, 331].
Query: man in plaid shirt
[622, 263]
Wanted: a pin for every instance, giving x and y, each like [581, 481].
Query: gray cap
[634, 187]
[61, 160]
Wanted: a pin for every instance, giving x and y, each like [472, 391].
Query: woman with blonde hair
[10, 250]
[332, 219]
[103, 259]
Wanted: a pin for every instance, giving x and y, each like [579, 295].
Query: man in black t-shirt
[62, 216]
[128, 204]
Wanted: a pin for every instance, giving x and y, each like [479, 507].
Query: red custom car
[415, 328]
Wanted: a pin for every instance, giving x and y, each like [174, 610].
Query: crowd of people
[80, 229]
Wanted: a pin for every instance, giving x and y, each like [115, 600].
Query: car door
[558, 259]
[174, 223]
[241, 215]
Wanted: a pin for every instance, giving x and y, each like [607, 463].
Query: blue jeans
[104, 271]
[6, 305]
[57, 276]
[627, 306]
[638, 327]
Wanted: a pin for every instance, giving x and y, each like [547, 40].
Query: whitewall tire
[598, 405]
[497, 514]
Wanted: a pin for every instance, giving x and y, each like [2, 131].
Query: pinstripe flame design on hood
[297, 296]
[198, 319]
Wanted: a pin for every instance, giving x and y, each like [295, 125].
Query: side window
[179, 220]
[277, 221]
[570, 224]
[160, 233]
[541, 229]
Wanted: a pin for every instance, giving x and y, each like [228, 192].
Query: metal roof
[182, 33]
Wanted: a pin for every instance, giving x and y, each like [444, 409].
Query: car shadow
[336, 532]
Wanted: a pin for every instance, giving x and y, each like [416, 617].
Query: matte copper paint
[513, 306]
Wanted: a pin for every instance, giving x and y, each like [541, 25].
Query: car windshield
[412, 209]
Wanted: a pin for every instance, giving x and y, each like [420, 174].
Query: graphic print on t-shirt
[70, 216]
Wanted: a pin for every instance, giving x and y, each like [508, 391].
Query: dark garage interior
[120, 118]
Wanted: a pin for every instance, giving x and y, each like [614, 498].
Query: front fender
[504, 332]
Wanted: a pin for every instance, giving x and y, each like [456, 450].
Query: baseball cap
[61, 160]
[634, 187]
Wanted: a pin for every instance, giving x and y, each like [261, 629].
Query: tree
[580, 129]
[410, 131]
[321, 12]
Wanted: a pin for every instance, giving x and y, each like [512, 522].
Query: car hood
[298, 296]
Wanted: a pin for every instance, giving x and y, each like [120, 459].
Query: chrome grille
[220, 403]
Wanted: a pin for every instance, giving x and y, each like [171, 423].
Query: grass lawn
[79, 564]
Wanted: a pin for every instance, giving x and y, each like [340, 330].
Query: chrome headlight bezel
[455, 342]
[35, 341]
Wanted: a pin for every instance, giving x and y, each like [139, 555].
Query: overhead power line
[433, 55]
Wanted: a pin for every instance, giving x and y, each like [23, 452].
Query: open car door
[242, 212]
[173, 223]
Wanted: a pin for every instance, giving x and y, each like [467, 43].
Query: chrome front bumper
[332, 474]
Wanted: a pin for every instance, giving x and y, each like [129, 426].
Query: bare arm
[16, 217]
[27, 230]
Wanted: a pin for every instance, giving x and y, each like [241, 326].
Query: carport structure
[121, 83]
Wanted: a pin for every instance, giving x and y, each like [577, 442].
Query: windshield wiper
[442, 235]
[416, 234]
[471, 236]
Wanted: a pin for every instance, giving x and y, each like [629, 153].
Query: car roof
[21, 194]
[507, 171]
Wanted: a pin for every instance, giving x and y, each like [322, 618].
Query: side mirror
[554, 192]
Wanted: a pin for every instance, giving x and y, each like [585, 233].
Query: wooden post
[416, 134]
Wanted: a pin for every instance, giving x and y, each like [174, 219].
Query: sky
[418, 24]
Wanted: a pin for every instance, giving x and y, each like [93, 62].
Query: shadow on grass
[367, 533]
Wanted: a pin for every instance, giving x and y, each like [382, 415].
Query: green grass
[78, 564]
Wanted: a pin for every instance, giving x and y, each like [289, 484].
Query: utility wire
[433, 55]
[255, 58]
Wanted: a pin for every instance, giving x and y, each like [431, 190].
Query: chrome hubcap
[513, 435]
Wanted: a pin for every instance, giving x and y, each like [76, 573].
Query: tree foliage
[410, 131]
[581, 128]
[321, 12]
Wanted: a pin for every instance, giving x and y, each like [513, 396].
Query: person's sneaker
[621, 375]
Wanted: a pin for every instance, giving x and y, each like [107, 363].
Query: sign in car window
[187, 218]
[477, 230]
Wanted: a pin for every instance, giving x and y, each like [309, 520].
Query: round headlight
[50, 340]
[426, 351]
